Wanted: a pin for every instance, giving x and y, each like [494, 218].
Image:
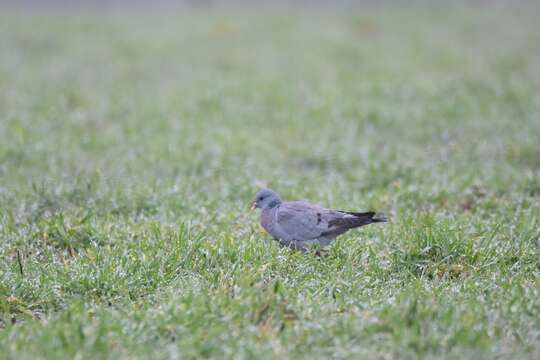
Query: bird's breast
[268, 219]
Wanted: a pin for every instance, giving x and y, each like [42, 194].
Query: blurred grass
[131, 145]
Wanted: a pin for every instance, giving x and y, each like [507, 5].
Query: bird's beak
[253, 206]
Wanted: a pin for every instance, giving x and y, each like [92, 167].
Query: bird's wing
[303, 221]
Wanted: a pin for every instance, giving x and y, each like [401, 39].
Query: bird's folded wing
[303, 221]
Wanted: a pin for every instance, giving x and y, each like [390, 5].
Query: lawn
[132, 144]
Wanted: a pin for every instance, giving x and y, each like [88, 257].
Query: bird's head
[266, 199]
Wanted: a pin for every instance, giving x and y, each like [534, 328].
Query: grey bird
[299, 225]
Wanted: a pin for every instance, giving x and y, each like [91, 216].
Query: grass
[131, 146]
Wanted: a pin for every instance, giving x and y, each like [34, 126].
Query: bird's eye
[260, 198]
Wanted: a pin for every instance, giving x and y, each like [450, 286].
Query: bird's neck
[274, 203]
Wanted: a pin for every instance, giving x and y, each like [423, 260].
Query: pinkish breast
[267, 219]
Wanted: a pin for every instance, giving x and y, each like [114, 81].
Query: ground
[132, 144]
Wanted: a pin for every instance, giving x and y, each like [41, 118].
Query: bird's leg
[321, 253]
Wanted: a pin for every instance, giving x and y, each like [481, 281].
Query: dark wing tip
[370, 216]
[359, 214]
[379, 219]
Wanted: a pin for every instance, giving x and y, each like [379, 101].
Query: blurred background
[436, 96]
[148, 4]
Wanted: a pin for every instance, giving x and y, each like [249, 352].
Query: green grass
[131, 146]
